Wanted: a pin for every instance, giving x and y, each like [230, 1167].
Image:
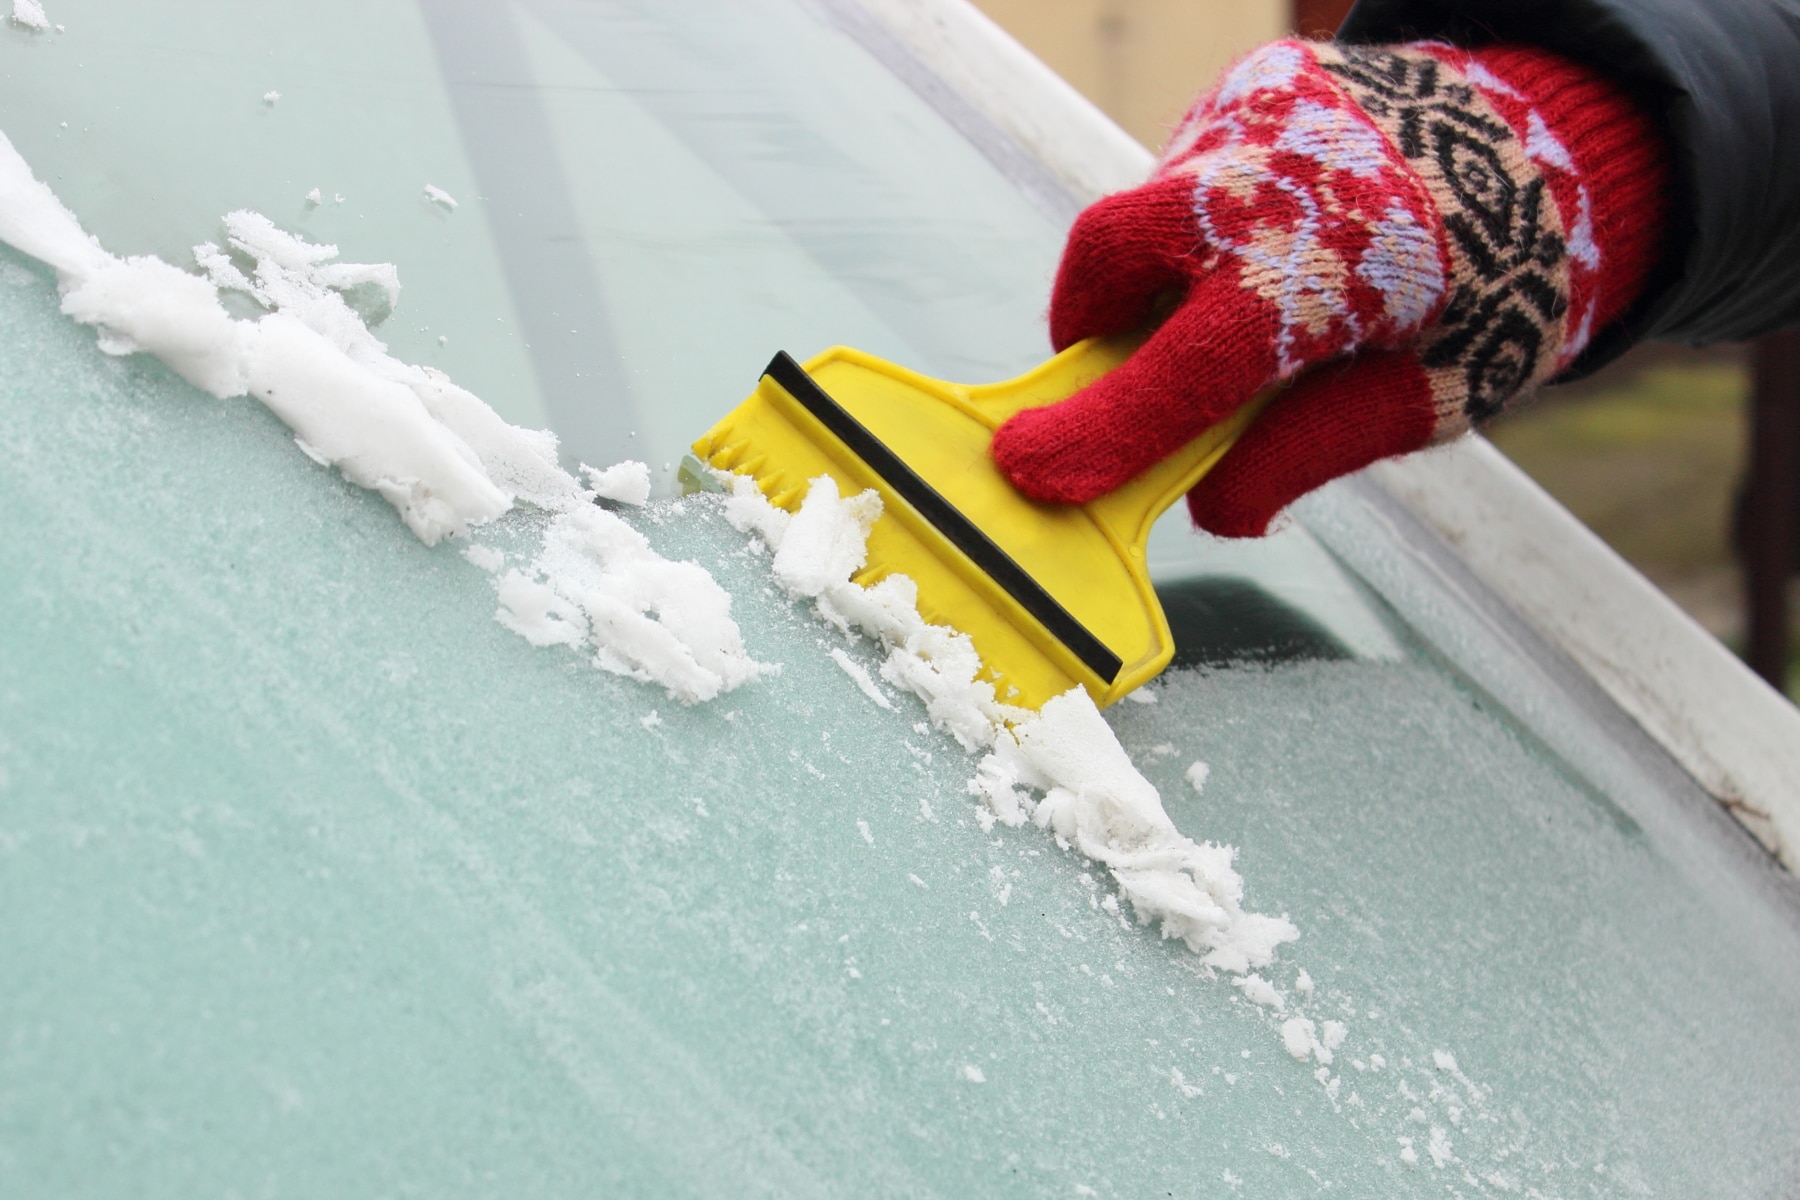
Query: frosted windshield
[647, 204]
[316, 880]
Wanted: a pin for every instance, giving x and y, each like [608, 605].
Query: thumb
[1124, 253]
[1211, 355]
[1335, 420]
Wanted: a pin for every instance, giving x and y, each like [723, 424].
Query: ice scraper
[1051, 595]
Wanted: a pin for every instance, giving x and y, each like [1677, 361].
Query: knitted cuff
[1573, 134]
[1621, 159]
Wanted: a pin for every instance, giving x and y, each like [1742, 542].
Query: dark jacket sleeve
[1724, 78]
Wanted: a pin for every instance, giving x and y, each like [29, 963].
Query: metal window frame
[1575, 599]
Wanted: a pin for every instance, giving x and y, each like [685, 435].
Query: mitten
[1416, 235]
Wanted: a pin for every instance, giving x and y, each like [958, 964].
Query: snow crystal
[860, 677]
[1061, 768]
[973, 1074]
[1298, 1037]
[440, 197]
[597, 585]
[30, 14]
[1260, 991]
[444, 459]
[271, 98]
[825, 543]
[313, 199]
[625, 483]
[1301, 1038]
[485, 557]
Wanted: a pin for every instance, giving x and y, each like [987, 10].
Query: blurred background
[1683, 459]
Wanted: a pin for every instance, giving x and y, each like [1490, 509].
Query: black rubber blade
[945, 517]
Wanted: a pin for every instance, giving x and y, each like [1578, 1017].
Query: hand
[1415, 235]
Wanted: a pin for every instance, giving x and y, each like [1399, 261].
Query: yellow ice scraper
[1052, 595]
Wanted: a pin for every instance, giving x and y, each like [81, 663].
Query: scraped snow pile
[1061, 769]
[437, 453]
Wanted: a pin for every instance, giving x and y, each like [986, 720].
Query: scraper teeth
[725, 454]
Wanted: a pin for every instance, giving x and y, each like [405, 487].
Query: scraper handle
[1132, 509]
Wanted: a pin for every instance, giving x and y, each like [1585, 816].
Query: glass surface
[319, 882]
[314, 880]
[649, 201]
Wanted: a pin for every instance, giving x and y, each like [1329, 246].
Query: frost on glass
[315, 879]
[319, 881]
[649, 199]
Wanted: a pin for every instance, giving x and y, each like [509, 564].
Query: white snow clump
[30, 14]
[624, 483]
[444, 459]
[1062, 769]
[598, 585]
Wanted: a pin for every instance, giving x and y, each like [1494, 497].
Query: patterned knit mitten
[1434, 231]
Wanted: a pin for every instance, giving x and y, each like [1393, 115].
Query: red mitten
[1435, 230]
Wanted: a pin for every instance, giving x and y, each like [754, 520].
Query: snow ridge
[1062, 769]
[445, 460]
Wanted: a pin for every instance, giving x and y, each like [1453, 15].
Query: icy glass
[314, 880]
[650, 199]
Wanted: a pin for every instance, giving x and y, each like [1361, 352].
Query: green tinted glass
[314, 880]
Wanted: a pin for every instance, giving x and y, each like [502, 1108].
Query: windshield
[318, 880]
[645, 206]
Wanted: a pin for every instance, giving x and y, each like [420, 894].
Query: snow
[30, 14]
[625, 483]
[860, 676]
[1062, 768]
[271, 98]
[448, 464]
[595, 586]
[445, 460]
[1258, 990]
[314, 199]
[440, 197]
[484, 557]
[1302, 1039]
[825, 542]
[974, 1074]
[1196, 776]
